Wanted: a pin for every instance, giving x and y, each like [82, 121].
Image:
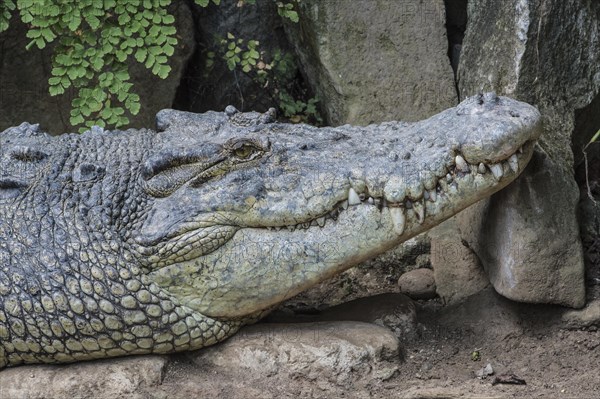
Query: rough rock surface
[457, 270]
[375, 60]
[337, 351]
[24, 80]
[115, 378]
[418, 284]
[534, 44]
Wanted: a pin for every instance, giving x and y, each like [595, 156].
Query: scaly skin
[116, 243]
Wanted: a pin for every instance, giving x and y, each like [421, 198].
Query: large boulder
[24, 80]
[371, 61]
[526, 49]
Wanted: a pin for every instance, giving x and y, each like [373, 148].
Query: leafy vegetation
[275, 73]
[95, 41]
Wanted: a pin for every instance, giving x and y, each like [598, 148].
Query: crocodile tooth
[278, 228]
[433, 195]
[443, 185]
[333, 214]
[315, 224]
[419, 209]
[449, 178]
[362, 196]
[306, 225]
[408, 204]
[481, 168]
[429, 179]
[398, 219]
[269, 228]
[520, 150]
[291, 228]
[344, 205]
[353, 198]
[513, 162]
[321, 221]
[461, 164]
[497, 170]
[370, 200]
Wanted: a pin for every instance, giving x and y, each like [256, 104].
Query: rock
[113, 378]
[333, 351]
[534, 44]
[457, 270]
[485, 371]
[418, 284]
[375, 61]
[519, 266]
[391, 310]
[24, 77]
[215, 88]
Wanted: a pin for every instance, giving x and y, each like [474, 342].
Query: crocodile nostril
[11, 188]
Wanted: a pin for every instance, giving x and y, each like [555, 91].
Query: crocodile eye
[245, 151]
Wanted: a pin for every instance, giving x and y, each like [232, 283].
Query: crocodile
[157, 241]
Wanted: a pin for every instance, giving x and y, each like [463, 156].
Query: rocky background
[536, 242]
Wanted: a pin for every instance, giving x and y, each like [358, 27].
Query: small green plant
[277, 76]
[286, 10]
[95, 40]
[239, 52]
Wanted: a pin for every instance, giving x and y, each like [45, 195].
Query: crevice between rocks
[587, 175]
[456, 25]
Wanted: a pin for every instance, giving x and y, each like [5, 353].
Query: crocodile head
[246, 213]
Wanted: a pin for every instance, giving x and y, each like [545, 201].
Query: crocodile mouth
[459, 170]
[420, 210]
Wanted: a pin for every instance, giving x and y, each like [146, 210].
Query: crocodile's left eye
[245, 150]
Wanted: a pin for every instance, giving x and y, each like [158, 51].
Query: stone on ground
[418, 284]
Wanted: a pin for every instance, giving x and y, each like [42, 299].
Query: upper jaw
[432, 190]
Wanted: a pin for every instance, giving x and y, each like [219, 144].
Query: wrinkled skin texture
[115, 243]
